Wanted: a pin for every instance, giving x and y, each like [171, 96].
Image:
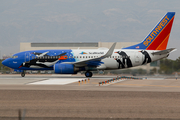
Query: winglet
[93, 60]
[110, 51]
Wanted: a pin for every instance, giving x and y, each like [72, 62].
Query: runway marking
[61, 75]
[55, 81]
[153, 78]
[145, 85]
[35, 81]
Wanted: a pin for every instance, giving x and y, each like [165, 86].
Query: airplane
[72, 61]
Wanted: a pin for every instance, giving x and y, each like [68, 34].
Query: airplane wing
[95, 61]
[164, 51]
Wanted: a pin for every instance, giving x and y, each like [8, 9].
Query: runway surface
[62, 82]
[40, 97]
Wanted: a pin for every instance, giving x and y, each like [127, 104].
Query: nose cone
[12, 63]
[4, 62]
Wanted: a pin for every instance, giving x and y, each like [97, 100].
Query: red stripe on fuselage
[160, 38]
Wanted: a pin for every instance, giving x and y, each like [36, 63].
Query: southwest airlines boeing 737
[71, 61]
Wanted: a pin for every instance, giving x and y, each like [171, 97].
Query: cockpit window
[14, 57]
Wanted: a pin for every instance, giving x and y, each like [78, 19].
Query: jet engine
[62, 68]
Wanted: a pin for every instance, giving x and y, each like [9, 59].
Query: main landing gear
[88, 74]
[23, 74]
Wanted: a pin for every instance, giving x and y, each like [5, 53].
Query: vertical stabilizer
[159, 36]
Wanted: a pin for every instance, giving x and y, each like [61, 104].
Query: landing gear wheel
[88, 74]
[23, 74]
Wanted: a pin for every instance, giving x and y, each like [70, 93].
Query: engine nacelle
[61, 68]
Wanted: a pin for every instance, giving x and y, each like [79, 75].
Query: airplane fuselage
[120, 59]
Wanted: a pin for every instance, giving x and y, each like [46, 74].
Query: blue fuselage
[36, 60]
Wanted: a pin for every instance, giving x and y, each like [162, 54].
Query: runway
[63, 82]
[152, 98]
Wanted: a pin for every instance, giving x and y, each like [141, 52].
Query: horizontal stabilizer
[164, 51]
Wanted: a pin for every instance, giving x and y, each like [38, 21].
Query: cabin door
[27, 57]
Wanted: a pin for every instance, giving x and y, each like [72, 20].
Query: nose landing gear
[23, 74]
[88, 74]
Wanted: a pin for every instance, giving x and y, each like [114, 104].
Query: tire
[22, 74]
[88, 74]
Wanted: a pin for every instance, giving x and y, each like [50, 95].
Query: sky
[53, 21]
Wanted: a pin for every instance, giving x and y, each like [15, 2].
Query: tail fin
[159, 36]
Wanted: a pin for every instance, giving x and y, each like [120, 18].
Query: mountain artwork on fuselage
[71, 61]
